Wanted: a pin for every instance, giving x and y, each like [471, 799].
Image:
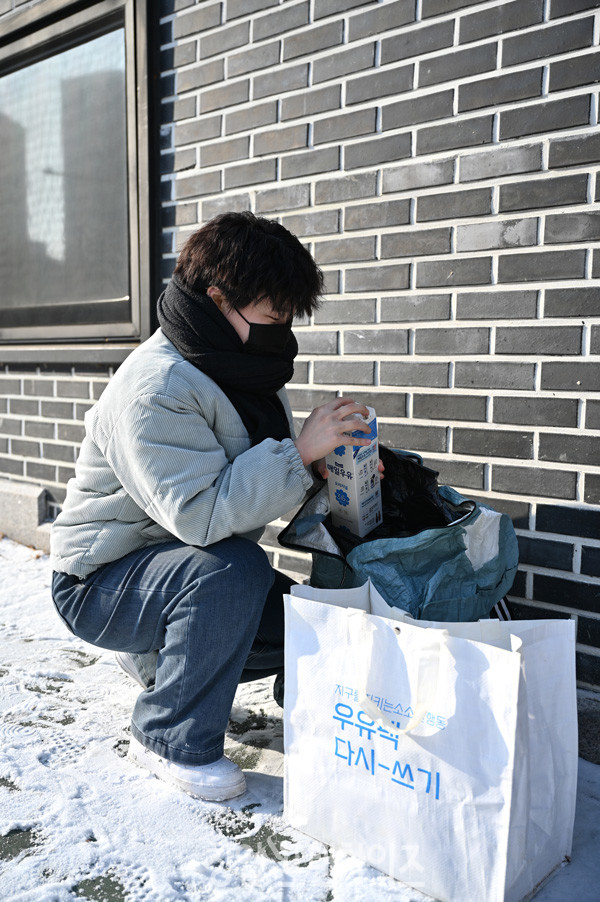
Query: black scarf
[203, 335]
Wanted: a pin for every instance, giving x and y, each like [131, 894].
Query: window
[74, 231]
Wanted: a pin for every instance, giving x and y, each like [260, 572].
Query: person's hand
[325, 429]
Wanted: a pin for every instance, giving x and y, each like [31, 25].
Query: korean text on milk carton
[353, 482]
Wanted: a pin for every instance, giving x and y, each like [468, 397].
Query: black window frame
[34, 34]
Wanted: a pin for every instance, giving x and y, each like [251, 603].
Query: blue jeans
[197, 620]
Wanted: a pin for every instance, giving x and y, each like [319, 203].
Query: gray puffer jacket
[165, 456]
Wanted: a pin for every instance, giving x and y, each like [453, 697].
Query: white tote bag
[443, 754]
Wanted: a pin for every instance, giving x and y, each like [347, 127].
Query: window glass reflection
[63, 188]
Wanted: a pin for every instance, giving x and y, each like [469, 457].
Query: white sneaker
[212, 782]
[125, 662]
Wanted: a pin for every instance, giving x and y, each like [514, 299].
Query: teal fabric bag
[451, 573]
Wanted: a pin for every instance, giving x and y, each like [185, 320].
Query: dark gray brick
[376, 341]
[452, 342]
[51, 451]
[11, 427]
[415, 308]
[583, 69]
[332, 280]
[574, 151]
[352, 310]
[62, 410]
[499, 19]
[199, 130]
[310, 102]
[578, 376]
[457, 64]
[237, 8]
[251, 117]
[183, 55]
[208, 16]
[346, 62]
[572, 227]
[322, 222]
[341, 372]
[45, 472]
[11, 466]
[382, 18]
[234, 202]
[451, 135]
[349, 187]
[280, 22]
[572, 302]
[571, 449]
[291, 78]
[568, 7]
[13, 387]
[378, 278]
[500, 89]
[278, 140]
[544, 553]
[311, 162]
[316, 38]
[224, 40]
[329, 7]
[413, 438]
[197, 185]
[454, 204]
[493, 443]
[307, 399]
[317, 342]
[554, 340]
[474, 374]
[596, 265]
[389, 404]
[496, 234]
[545, 42]
[71, 432]
[536, 411]
[533, 481]
[455, 271]
[224, 96]
[377, 215]
[185, 159]
[449, 406]
[347, 125]
[379, 84]
[573, 521]
[500, 162]
[225, 151]
[439, 7]
[409, 43]
[595, 340]
[536, 194]
[250, 174]
[417, 110]
[289, 198]
[460, 473]
[590, 561]
[544, 117]
[38, 429]
[591, 492]
[200, 77]
[418, 175]
[73, 389]
[300, 372]
[252, 60]
[430, 375]
[592, 417]
[379, 150]
[541, 266]
[345, 250]
[416, 242]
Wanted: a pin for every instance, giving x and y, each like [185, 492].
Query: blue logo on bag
[342, 498]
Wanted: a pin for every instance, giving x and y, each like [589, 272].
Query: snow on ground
[79, 821]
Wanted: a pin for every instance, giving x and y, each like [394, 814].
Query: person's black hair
[249, 258]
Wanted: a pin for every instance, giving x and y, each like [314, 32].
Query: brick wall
[440, 159]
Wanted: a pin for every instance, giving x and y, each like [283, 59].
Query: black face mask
[267, 338]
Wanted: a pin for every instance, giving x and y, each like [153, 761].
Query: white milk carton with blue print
[353, 482]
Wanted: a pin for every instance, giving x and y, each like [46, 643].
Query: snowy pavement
[79, 821]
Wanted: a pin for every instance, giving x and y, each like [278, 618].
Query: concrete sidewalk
[79, 821]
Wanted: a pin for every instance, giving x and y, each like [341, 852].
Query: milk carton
[353, 482]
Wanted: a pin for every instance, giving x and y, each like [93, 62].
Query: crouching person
[188, 454]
